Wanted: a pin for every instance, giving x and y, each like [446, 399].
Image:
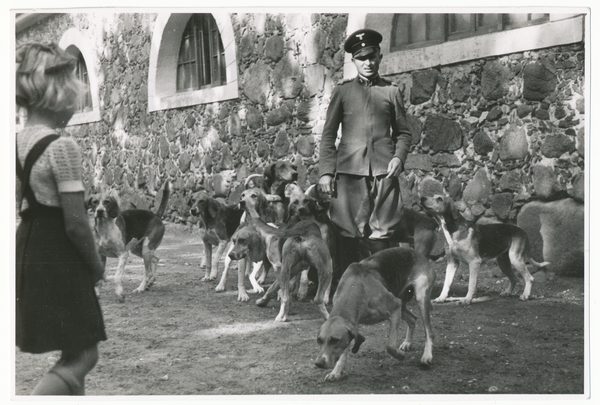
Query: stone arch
[74, 37]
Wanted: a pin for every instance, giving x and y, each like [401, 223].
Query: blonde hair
[45, 78]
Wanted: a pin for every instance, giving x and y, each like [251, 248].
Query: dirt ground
[182, 338]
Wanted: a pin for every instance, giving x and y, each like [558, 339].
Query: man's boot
[376, 245]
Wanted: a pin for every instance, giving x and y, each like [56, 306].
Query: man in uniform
[361, 174]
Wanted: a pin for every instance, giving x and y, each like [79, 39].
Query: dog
[418, 230]
[303, 206]
[278, 173]
[474, 243]
[261, 204]
[376, 289]
[290, 251]
[250, 250]
[274, 183]
[322, 199]
[218, 222]
[135, 230]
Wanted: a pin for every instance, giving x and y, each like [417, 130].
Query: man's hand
[394, 168]
[326, 184]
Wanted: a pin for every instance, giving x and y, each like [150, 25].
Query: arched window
[79, 45]
[85, 98]
[201, 61]
[192, 60]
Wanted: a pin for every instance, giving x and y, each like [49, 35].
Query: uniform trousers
[366, 206]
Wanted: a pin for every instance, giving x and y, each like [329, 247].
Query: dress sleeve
[65, 160]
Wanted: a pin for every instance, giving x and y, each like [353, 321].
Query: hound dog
[419, 230]
[303, 206]
[371, 291]
[119, 232]
[218, 222]
[474, 243]
[278, 173]
[250, 249]
[290, 251]
[274, 183]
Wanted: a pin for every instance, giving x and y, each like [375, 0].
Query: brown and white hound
[376, 289]
[302, 207]
[475, 243]
[275, 182]
[217, 221]
[290, 251]
[119, 232]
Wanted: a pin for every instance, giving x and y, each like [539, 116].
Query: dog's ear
[213, 207]
[261, 204]
[256, 247]
[358, 340]
[112, 209]
[312, 204]
[270, 171]
[88, 203]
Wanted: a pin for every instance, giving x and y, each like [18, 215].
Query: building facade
[495, 101]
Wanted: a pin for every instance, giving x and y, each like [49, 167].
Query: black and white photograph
[301, 204]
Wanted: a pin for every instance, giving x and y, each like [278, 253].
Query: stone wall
[493, 133]
[288, 65]
[497, 133]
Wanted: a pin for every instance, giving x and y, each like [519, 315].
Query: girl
[57, 264]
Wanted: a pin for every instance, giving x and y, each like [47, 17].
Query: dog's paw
[439, 300]
[220, 288]
[243, 296]
[258, 290]
[396, 353]
[405, 346]
[333, 376]
[301, 296]
[281, 318]
[427, 360]
[524, 297]
[261, 302]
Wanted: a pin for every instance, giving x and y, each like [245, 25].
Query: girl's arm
[79, 232]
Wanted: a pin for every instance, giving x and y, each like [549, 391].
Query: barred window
[201, 61]
[410, 31]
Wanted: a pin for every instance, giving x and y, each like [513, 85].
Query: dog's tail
[165, 200]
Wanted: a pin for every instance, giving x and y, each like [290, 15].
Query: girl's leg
[67, 377]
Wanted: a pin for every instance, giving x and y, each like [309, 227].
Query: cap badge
[360, 36]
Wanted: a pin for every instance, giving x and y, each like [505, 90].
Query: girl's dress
[57, 307]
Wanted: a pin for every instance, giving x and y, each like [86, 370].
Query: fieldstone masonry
[495, 134]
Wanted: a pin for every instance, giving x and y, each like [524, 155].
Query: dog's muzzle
[321, 362]
[233, 255]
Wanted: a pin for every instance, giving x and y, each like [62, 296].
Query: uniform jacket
[374, 128]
